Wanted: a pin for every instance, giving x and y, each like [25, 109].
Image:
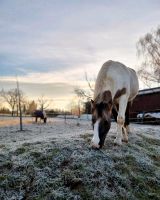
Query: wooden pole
[20, 109]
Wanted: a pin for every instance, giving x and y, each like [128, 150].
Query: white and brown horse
[116, 86]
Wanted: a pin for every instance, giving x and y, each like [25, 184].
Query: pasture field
[11, 121]
[55, 161]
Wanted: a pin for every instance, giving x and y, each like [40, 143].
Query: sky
[50, 44]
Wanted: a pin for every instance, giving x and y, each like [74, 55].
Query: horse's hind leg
[125, 128]
[121, 120]
[126, 124]
[125, 134]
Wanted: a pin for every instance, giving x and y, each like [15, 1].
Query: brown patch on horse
[120, 93]
[107, 97]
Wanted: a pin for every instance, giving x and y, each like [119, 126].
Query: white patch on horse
[96, 139]
[44, 114]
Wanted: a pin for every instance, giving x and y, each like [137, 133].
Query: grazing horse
[40, 114]
[116, 86]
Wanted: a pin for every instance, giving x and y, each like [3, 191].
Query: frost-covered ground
[55, 161]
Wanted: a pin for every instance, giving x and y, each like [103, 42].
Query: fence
[140, 118]
[146, 117]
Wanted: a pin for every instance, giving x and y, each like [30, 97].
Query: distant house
[147, 101]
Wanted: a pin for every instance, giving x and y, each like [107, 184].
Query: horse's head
[101, 118]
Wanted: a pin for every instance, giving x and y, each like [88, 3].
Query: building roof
[149, 91]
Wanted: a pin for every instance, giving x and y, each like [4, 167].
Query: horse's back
[114, 76]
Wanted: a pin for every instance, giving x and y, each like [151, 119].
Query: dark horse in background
[40, 114]
[116, 86]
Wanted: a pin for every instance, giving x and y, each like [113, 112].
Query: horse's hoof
[94, 146]
[124, 140]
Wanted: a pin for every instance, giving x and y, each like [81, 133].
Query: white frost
[147, 115]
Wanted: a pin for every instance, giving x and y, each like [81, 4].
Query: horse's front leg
[125, 134]
[121, 120]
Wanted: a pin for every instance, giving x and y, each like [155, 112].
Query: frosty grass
[55, 161]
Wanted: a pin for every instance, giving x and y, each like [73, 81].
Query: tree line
[10, 100]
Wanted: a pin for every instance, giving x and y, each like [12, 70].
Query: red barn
[147, 100]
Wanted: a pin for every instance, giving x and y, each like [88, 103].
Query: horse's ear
[107, 97]
[92, 103]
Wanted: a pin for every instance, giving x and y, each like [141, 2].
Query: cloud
[57, 41]
[58, 94]
[46, 36]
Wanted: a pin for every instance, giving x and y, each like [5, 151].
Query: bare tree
[23, 100]
[43, 102]
[148, 47]
[80, 95]
[91, 86]
[85, 93]
[1, 100]
[19, 102]
[31, 107]
[10, 97]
